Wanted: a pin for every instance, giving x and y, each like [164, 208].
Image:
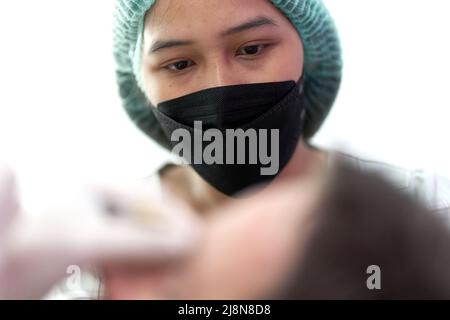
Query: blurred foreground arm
[35, 252]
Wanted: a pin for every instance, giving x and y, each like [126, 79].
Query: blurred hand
[106, 226]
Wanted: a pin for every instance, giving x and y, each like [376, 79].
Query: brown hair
[364, 220]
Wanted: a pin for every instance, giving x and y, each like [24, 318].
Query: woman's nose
[223, 73]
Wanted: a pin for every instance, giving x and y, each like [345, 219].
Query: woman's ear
[9, 204]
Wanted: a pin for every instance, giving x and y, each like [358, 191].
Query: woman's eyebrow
[254, 23]
[159, 45]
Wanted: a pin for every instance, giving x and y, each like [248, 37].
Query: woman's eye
[251, 50]
[179, 65]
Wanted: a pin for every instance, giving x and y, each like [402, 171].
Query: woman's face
[191, 45]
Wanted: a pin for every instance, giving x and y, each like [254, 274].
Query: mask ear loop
[301, 88]
[301, 83]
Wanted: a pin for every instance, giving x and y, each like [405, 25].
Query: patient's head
[364, 221]
[308, 240]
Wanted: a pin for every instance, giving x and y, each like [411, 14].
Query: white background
[61, 122]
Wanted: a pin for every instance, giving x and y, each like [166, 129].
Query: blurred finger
[9, 205]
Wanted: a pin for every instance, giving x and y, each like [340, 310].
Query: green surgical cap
[322, 66]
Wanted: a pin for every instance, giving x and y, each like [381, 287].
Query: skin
[228, 263]
[236, 259]
[268, 53]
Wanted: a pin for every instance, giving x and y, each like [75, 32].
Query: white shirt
[433, 190]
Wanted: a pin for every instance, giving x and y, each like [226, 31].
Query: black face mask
[275, 107]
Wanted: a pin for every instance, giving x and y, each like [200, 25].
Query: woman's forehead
[175, 16]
